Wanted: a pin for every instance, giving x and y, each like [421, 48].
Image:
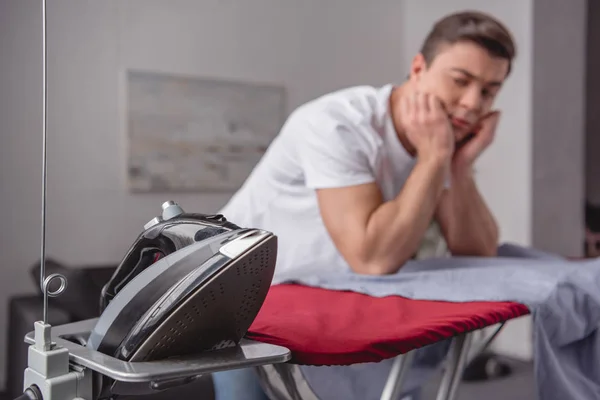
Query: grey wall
[559, 65]
[592, 145]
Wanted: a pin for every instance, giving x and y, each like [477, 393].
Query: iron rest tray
[247, 354]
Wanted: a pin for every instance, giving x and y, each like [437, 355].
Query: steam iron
[190, 283]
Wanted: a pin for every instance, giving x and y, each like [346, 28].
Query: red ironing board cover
[326, 327]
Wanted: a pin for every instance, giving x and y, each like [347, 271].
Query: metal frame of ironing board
[457, 359]
[285, 381]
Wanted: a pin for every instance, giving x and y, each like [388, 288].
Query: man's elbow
[371, 269]
[491, 250]
[490, 245]
[481, 248]
[376, 265]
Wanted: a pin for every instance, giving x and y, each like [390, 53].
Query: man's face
[466, 78]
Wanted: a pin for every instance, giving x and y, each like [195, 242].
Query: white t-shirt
[340, 139]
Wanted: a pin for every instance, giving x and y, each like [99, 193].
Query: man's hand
[427, 126]
[466, 155]
[468, 225]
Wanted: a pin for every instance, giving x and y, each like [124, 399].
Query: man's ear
[417, 67]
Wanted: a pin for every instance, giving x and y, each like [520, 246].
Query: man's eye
[461, 82]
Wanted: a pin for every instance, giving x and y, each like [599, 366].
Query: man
[356, 177]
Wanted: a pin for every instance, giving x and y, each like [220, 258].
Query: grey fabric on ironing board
[563, 296]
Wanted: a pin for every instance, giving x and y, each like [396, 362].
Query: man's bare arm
[466, 222]
[377, 237]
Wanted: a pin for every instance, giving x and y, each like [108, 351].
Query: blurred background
[540, 177]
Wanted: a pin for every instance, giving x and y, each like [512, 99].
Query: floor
[517, 386]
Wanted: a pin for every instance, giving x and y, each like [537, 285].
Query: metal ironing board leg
[397, 376]
[286, 381]
[457, 359]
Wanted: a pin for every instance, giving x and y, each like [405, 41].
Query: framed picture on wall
[196, 134]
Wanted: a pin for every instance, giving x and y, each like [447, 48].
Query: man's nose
[472, 99]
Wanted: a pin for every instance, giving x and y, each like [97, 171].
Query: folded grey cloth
[563, 296]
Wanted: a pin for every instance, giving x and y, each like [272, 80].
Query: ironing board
[324, 327]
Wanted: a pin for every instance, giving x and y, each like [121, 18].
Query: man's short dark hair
[472, 26]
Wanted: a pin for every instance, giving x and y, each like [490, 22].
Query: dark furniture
[79, 302]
